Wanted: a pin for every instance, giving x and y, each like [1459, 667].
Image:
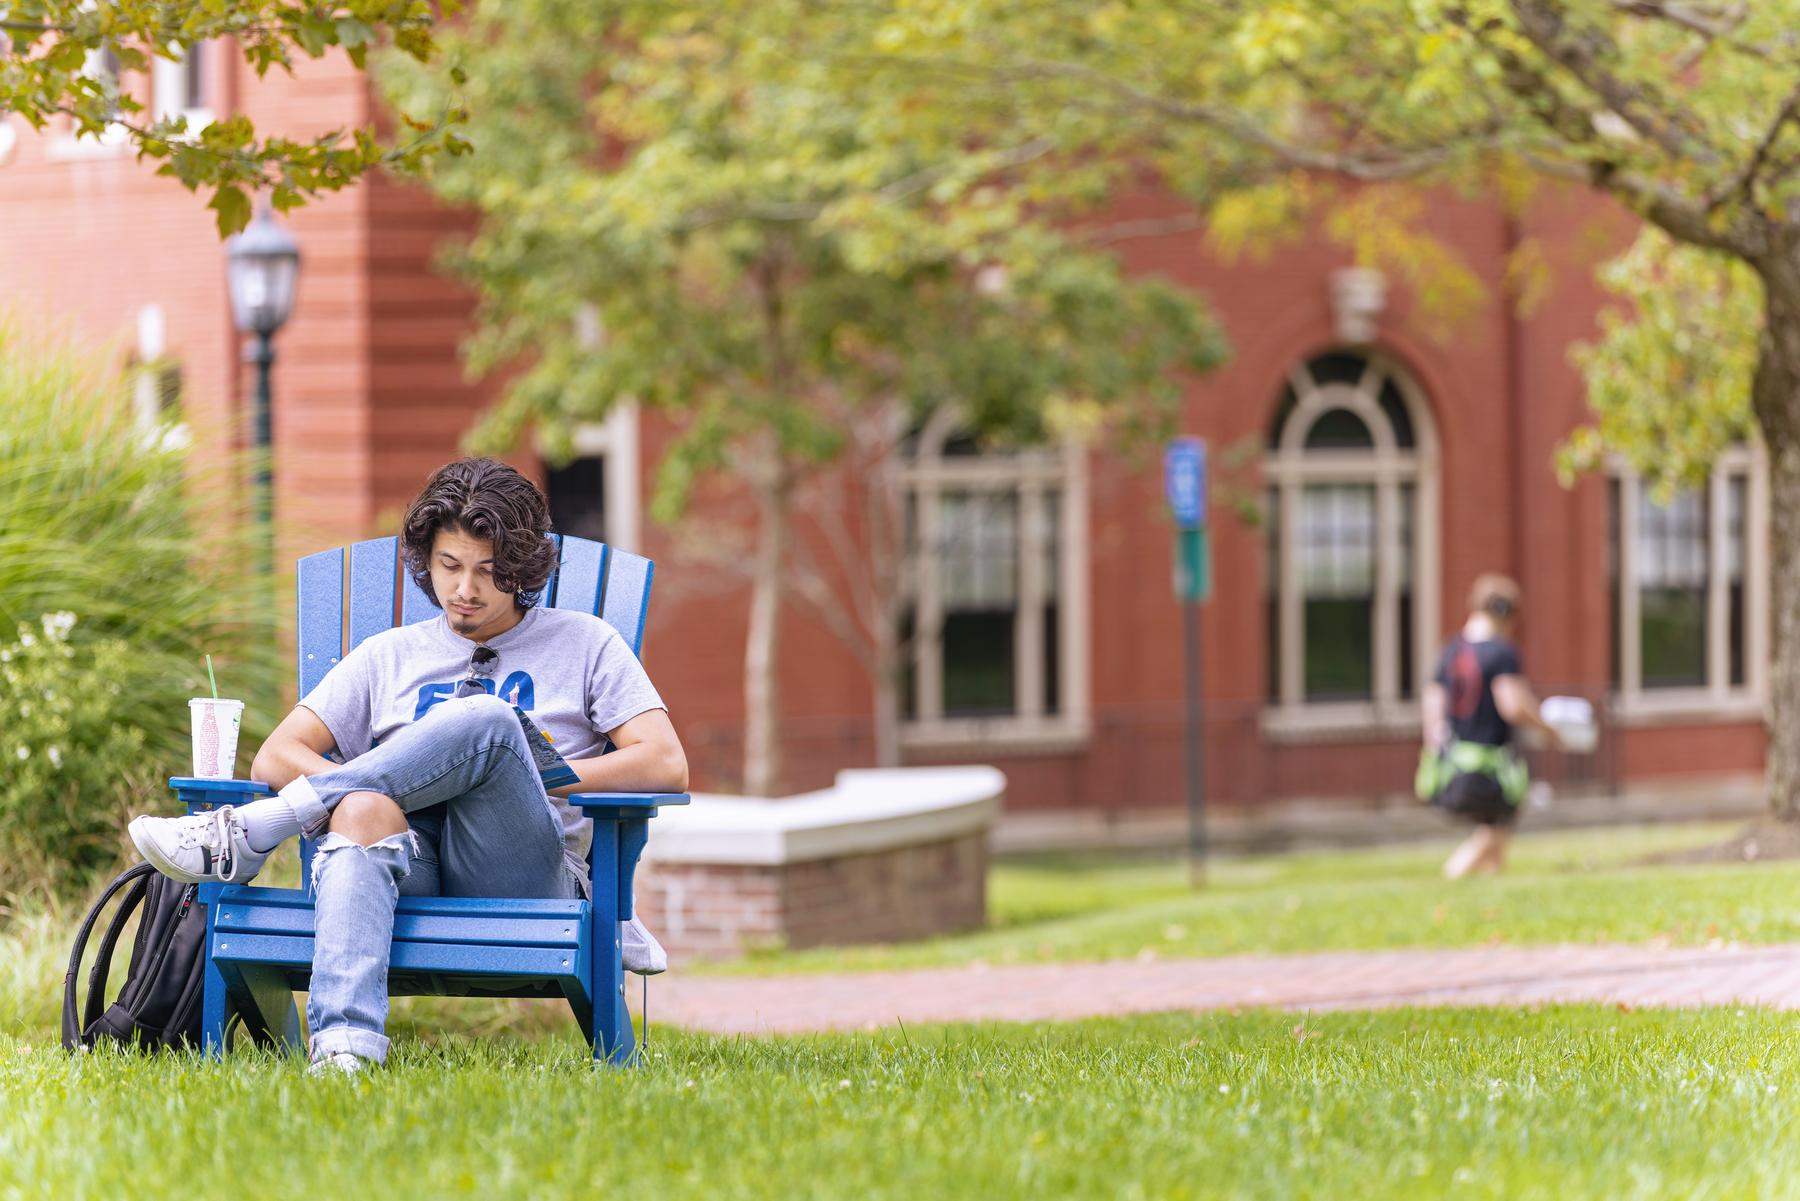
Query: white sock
[268, 822]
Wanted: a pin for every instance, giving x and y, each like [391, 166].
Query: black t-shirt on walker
[1467, 671]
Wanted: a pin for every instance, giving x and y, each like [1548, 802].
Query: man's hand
[1433, 727]
[646, 757]
[1519, 706]
[296, 748]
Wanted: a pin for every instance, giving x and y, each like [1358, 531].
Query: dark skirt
[1476, 796]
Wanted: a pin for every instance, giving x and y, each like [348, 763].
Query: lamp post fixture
[262, 265]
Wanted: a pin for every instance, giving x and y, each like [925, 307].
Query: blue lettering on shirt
[517, 688]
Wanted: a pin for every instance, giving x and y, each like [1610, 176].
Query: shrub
[123, 562]
[60, 749]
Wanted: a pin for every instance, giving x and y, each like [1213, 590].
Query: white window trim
[169, 92]
[70, 146]
[1717, 700]
[617, 439]
[1028, 475]
[1288, 468]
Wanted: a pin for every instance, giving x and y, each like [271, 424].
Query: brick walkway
[1647, 976]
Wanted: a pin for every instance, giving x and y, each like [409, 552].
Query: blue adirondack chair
[259, 943]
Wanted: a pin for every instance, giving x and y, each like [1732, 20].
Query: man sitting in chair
[438, 793]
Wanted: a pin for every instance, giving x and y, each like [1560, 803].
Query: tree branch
[1238, 127]
[1682, 216]
[1714, 25]
[1584, 55]
[800, 211]
[1148, 227]
[1745, 184]
[810, 586]
[38, 27]
[829, 518]
[1696, 18]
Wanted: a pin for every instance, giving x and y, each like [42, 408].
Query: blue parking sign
[1184, 482]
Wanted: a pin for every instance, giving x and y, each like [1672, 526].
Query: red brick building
[1396, 465]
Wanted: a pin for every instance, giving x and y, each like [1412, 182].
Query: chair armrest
[643, 804]
[198, 794]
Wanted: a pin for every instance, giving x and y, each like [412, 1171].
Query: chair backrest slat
[320, 616]
[590, 577]
[415, 606]
[371, 588]
[579, 578]
[549, 592]
[627, 596]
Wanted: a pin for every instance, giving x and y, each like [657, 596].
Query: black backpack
[159, 1006]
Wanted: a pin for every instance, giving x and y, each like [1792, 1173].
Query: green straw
[210, 679]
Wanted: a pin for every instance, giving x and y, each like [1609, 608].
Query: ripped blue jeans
[479, 825]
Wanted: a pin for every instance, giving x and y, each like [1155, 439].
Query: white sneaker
[640, 950]
[338, 1063]
[202, 848]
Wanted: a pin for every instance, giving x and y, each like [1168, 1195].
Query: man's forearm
[279, 764]
[1431, 715]
[641, 767]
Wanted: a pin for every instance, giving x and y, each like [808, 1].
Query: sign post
[1184, 486]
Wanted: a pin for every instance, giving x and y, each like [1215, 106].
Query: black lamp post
[262, 265]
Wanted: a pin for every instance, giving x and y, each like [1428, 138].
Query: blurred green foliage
[123, 562]
[680, 209]
[1669, 377]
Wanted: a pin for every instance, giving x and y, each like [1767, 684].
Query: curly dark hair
[484, 498]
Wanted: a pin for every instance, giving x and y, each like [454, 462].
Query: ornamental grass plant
[126, 556]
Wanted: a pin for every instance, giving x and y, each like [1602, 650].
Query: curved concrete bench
[884, 854]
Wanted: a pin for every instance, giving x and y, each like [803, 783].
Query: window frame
[616, 439]
[1717, 699]
[1029, 475]
[169, 88]
[69, 145]
[1288, 468]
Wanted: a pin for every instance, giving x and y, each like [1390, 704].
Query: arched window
[1352, 582]
[994, 614]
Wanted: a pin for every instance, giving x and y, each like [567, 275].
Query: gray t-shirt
[571, 671]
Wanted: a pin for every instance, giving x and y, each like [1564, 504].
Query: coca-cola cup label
[216, 725]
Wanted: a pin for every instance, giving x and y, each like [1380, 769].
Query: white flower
[55, 754]
[25, 638]
[58, 624]
[24, 753]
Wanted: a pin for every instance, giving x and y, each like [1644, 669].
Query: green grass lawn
[1579, 886]
[499, 1100]
[1558, 1103]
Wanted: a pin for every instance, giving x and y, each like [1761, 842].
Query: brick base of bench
[711, 910]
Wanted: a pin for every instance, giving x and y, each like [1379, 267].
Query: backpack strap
[137, 880]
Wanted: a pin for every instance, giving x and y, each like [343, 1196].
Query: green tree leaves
[1669, 377]
[681, 209]
[63, 60]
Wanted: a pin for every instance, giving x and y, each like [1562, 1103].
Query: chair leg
[214, 1000]
[266, 990]
[611, 1035]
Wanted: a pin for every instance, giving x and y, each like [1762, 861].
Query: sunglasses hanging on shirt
[481, 668]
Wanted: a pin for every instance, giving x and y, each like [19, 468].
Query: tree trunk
[887, 552]
[887, 694]
[1776, 397]
[762, 751]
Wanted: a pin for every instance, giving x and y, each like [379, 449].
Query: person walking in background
[1468, 766]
